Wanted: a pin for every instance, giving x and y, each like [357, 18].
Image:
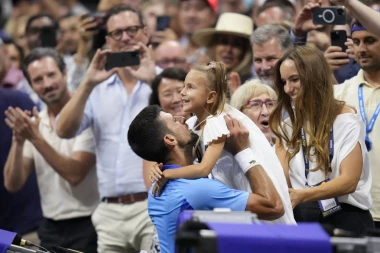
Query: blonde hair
[249, 89]
[216, 81]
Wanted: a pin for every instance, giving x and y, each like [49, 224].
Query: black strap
[304, 149]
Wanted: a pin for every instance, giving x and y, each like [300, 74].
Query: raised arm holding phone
[367, 16]
[107, 101]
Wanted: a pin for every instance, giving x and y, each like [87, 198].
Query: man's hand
[87, 28]
[23, 127]
[234, 82]
[336, 58]
[238, 139]
[304, 22]
[146, 71]
[96, 72]
[296, 196]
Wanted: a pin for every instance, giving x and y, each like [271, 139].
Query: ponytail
[217, 81]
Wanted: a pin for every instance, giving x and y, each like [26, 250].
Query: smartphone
[163, 22]
[98, 17]
[335, 15]
[339, 38]
[122, 59]
[48, 36]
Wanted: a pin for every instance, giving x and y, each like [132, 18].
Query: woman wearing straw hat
[229, 43]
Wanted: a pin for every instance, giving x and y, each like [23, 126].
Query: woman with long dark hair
[320, 145]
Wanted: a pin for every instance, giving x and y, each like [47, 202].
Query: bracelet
[246, 159]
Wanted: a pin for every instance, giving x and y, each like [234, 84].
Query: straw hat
[228, 23]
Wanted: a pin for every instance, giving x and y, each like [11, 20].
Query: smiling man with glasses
[108, 101]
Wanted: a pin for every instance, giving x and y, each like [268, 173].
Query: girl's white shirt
[227, 170]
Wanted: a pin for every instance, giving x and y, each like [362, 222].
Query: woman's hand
[296, 196]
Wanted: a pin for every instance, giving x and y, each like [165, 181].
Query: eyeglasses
[258, 104]
[179, 119]
[118, 34]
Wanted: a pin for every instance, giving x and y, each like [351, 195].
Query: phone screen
[163, 22]
[122, 59]
[48, 37]
[339, 38]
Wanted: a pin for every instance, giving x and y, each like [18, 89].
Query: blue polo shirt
[183, 194]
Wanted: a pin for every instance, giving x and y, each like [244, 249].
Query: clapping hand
[23, 127]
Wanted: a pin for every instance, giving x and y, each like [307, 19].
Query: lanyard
[304, 149]
[371, 123]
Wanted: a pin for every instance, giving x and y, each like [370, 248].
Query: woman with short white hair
[256, 100]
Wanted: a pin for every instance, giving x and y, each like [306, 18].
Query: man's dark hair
[122, 8]
[35, 17]
[169, 73]
[146, 135]
[39, 53]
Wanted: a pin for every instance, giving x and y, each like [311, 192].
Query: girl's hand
[159, 186]
[155, 172]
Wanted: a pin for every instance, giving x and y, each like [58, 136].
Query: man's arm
[73, 169]
[17, 168]
[264, 199]
[367, 16]
[71, 116]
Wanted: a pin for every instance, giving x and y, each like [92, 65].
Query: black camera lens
[328, 16]
[340, 11]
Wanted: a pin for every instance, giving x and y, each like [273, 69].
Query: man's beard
[189, 147]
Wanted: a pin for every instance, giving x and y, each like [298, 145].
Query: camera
[329, 16]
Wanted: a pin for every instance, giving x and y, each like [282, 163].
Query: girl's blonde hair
[216, 81]
[249, 89]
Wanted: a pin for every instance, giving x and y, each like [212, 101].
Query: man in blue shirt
[157, 136]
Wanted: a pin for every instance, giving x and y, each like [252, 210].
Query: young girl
[204, 95]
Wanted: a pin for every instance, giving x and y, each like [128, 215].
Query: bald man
[171, 54]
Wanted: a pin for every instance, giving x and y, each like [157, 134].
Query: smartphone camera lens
[340, 11]
[328, 16]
